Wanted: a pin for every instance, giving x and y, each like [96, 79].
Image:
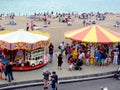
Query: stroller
[77, 65]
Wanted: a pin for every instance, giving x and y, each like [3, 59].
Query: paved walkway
[37, 74]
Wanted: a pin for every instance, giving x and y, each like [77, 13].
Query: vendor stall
[94, 36]
[26, 50]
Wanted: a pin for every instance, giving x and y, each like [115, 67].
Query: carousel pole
[10, 52]
[24, 55]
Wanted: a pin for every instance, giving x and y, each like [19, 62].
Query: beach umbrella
[22, 39]
[93, 34]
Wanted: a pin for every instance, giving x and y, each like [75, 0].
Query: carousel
[26, 50]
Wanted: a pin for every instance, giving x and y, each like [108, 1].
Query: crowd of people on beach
[68, 18]
[9, 17]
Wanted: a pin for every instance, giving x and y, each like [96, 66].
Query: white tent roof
[22, 36]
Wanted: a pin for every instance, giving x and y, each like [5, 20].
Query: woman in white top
[115, 59]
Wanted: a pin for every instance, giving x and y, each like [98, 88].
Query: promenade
[28, 76]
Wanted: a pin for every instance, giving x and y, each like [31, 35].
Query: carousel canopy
[94, 34]
[22, 36]
[22, 39]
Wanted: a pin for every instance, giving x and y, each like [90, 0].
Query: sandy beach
[57, 29]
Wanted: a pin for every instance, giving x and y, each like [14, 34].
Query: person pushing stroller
[79, 62]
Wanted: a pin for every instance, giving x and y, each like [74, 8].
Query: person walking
[27, 26]
[9, 71]
[55, 76]
[51, 47]
[46, 75]
[5, 71]
[52, 83]
[62, 47]
[60, 61]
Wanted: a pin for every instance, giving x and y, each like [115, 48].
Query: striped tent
[93, 34]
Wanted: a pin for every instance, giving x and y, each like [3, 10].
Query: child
[70, 62]
[87, 57]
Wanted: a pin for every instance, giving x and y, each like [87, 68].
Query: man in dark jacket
[55, 76]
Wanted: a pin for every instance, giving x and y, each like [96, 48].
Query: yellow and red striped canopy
[93, 34]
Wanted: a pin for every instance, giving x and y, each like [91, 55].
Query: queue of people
[95, 54]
